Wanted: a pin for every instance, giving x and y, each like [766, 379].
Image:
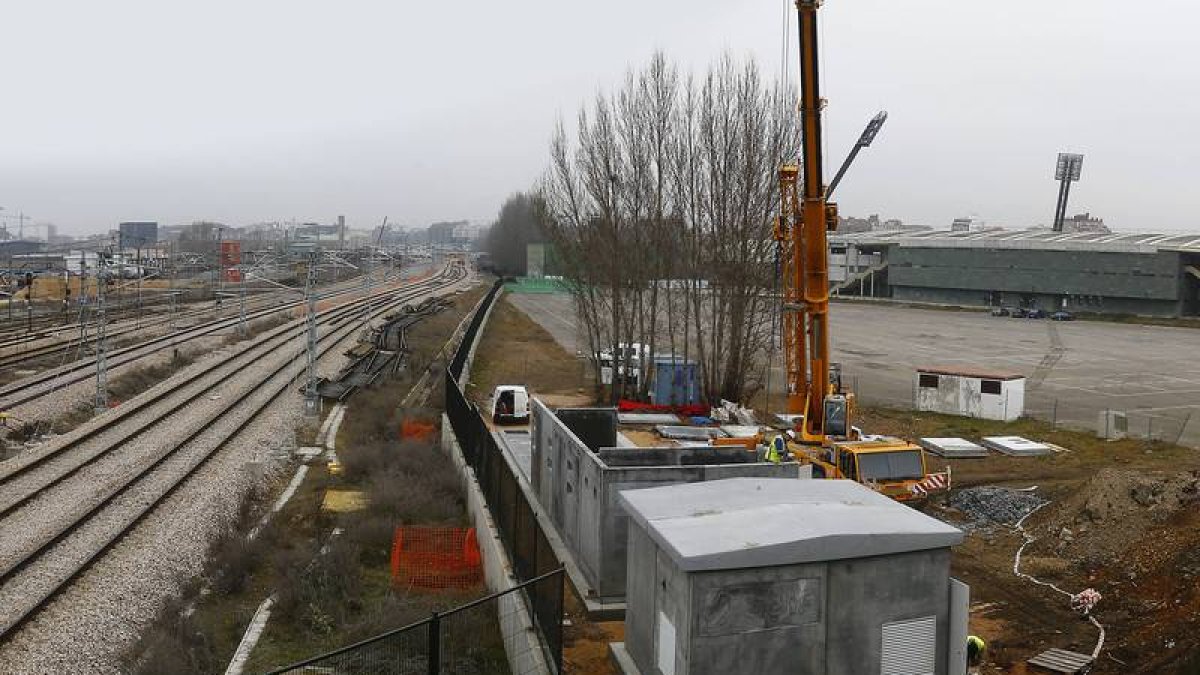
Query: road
[1076, 369]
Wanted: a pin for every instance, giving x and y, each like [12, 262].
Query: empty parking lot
[1076, 369]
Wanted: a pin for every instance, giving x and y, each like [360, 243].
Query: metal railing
[464, 640]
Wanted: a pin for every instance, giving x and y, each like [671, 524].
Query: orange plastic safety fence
[436, 558]
[416, 429]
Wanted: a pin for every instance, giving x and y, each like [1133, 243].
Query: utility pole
[366, 287]
[219, 283]
[82, 300]
[101, 364]
[242, 328]
[310, 376]
[370, 269]
[138, 268]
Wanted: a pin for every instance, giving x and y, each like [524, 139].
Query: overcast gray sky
[249, 110]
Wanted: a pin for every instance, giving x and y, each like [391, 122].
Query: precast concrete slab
[760, 522]
[688, 433]
[647, 418]
[1016, 446]
[740, 430]
[953, 448]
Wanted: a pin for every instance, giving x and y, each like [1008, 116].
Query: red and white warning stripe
[934, 482]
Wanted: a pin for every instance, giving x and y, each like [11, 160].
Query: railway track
[43, 383]
[68, 336]
[66, 509]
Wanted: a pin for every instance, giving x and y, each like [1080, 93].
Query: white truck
[510, 403]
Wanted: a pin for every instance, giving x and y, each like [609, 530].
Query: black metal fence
[466, 640]
[522, 536]
[464, 347]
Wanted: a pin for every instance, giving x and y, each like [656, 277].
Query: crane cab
[890, 466]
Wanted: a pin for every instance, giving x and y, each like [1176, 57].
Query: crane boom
[805, 218]
[825, 438]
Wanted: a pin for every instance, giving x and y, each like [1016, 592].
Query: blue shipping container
[675, 381]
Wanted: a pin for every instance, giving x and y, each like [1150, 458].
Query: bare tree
[663, 206]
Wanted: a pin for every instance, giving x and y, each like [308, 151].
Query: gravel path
[122, 593]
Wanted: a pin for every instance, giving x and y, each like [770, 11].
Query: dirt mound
[1115, 508]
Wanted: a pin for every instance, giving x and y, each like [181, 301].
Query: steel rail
[24, 615]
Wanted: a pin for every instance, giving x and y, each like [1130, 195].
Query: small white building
[972, 392]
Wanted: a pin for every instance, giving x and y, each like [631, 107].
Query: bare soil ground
[1122, 519]
[516, 350]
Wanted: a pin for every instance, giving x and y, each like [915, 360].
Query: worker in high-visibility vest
[776, 449]
[976, 648]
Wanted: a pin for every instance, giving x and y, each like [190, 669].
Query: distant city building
[449, 232]
[1084, 222]
[872, 223]
[315, 232]
[968, 224]
[137, 234]
[20, 247]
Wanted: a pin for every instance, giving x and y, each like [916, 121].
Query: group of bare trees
[660, 212]
[514, 229]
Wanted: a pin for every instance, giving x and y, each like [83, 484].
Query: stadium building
[1098, 272]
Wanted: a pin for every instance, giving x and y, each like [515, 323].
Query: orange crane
[804, 219]
[823, 434]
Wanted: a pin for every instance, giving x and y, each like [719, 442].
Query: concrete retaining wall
[521, 643]
[578, 489]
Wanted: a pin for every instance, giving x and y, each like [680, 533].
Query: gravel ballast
[88, 627]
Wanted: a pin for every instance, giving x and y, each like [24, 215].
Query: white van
[510, 403]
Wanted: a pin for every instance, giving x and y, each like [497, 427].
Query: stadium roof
[1037, 238]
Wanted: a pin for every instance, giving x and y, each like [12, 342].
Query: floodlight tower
[864, 141]
[1066, 171]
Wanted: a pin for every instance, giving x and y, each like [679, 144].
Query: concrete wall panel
[767, 620]
[866, 593]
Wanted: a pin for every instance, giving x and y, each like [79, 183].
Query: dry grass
[325, 600]
[1085, 453]
[120, 389]
[254, 328]
[517, 350]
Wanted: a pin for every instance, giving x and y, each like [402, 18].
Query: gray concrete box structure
[769, 576]
[577, 487]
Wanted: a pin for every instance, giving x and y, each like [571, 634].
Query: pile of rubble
[989, 505]
[1115, 508]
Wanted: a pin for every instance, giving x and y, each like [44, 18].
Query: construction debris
[647, 418]
[688, 433]
[990, 505]
[381, 354]
[1062, 661]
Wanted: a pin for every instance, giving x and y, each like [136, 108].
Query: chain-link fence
[479, 638]
[1174, 424]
